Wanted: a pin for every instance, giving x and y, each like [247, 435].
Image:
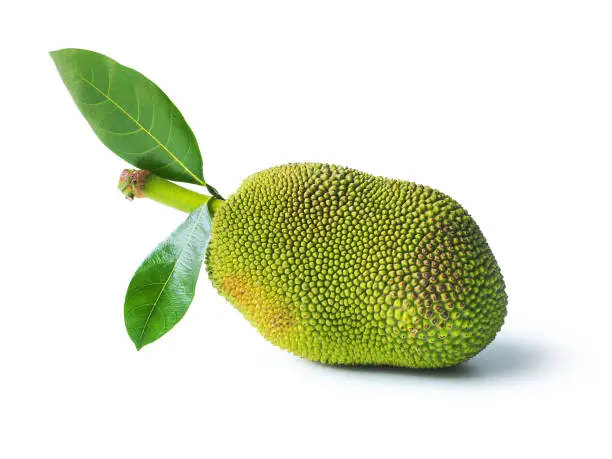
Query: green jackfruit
[344, 267]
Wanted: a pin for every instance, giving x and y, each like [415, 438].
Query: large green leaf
[131, 115]
[164, 285]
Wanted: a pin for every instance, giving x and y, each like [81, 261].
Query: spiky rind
[344, 267]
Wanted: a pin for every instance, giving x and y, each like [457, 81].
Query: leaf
[131, 115]
[164, 285]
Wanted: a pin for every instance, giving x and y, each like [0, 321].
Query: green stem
[144, 184]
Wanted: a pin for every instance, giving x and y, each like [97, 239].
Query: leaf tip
[58, 56]
[54, 55]
[56, 52]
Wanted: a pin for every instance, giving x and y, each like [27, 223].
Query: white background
[506, 106]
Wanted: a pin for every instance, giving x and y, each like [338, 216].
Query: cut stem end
[132, 183]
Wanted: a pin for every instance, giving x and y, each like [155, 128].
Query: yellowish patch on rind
[343, 267]
[257, 309]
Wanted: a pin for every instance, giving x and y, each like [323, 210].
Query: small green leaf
[131, 115]
[164, 285]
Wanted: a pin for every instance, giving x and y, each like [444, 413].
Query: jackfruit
[343, 267]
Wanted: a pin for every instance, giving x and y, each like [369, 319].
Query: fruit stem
[135, 183]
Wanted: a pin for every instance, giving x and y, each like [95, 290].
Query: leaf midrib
[145, 130]
[154, 304]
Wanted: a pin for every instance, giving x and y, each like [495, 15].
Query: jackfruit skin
[343, 267]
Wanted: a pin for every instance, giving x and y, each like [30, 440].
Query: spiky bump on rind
[344, 267]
